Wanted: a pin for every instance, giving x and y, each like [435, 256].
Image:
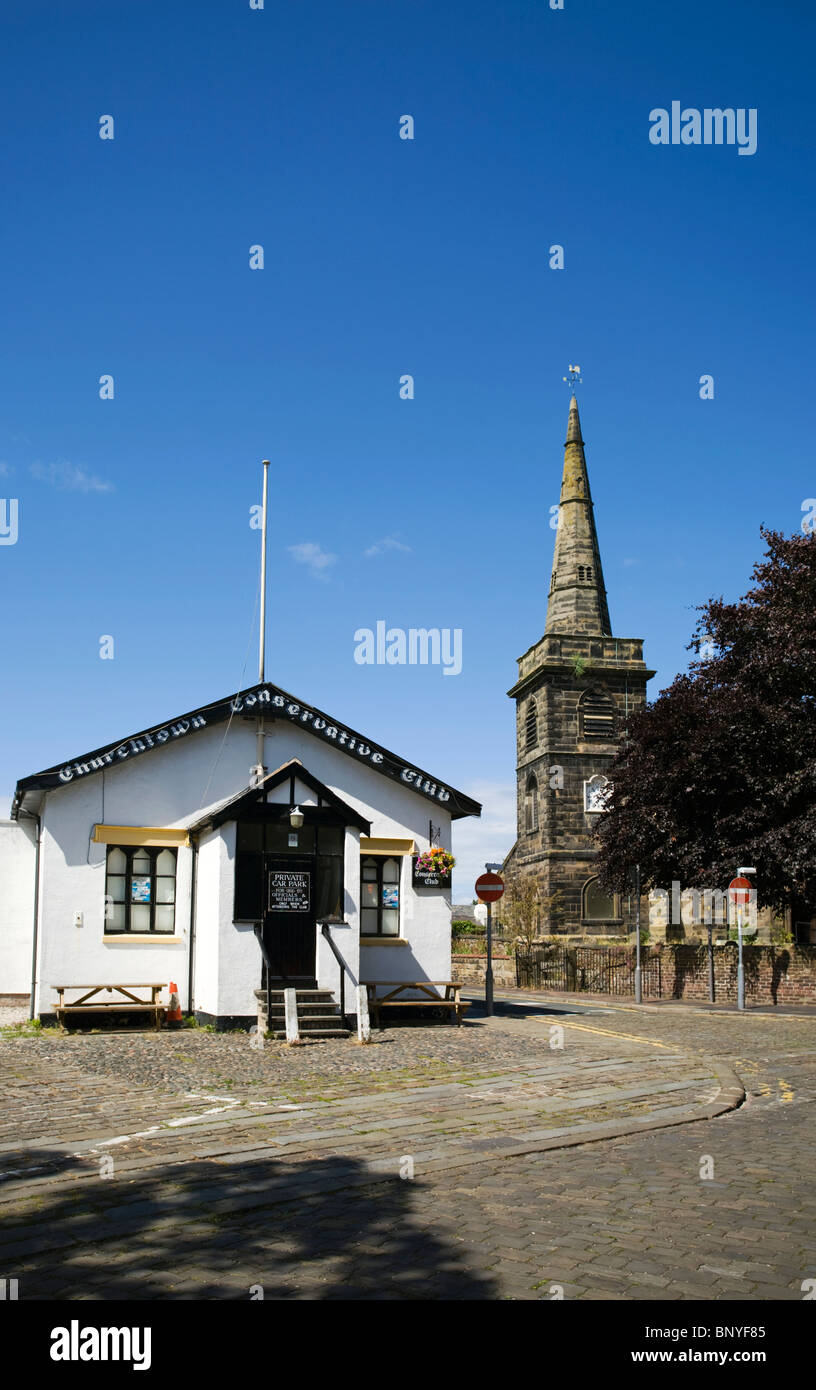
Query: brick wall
[773, 974]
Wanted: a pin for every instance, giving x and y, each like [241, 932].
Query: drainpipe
[36, 915]
[191, 931]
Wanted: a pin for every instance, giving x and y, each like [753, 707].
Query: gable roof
[272, 704]
[234, 806]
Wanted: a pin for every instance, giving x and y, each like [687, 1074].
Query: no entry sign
[739, 892]
[489, 888]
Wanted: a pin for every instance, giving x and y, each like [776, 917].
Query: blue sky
[384, 256]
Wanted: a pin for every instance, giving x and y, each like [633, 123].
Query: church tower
[576, 689]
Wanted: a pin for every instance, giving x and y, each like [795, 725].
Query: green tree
[526, 912]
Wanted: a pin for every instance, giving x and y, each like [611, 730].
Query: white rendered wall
[18, 856]
[395, 812]
[173, 786]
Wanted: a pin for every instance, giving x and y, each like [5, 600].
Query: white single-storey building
[180, 854]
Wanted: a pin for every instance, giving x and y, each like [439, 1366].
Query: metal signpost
[489, 888]
[638, 974]
[739, 894]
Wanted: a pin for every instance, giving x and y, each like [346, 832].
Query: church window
[531, 804]
[585, 574]
[596, 903]
[531, 725]
[596, 790]
[597, 716]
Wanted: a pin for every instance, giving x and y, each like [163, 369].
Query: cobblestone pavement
[414, 1168]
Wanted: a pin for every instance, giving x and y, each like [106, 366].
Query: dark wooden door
[289, 916]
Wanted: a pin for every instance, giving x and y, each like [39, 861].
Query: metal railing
[258, 929]
[587, 969]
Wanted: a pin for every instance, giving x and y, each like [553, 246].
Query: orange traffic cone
[173, 1016]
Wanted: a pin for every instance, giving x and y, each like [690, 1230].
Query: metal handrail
[325, 928]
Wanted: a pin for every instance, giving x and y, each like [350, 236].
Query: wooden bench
[123, 1001]
[450, 1000]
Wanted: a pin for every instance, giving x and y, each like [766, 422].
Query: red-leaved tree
[721, 769]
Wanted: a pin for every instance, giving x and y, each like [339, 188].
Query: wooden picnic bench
[124, 1000]
[450, 1000]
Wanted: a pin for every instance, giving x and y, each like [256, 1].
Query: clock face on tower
[596, 791]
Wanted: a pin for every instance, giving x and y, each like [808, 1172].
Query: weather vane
[574, 378]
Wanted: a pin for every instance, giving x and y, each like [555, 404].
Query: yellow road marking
[631, 1037]
[787, 1092]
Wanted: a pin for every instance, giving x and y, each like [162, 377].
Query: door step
[318, 1016]
[280, 1033]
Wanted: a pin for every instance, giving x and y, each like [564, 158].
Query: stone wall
[470, 970]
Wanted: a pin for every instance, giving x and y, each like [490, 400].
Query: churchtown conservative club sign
[262, 700]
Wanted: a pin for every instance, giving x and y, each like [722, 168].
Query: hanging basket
[432, 868]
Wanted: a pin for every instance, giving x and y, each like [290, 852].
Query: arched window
[596, 791]
[531, 725]
[596, 903]
[585, 574]
[597, 716]
[531, 804]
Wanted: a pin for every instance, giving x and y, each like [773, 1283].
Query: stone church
[575, 691]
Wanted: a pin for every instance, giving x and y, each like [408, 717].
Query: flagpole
[262, 635]
[262, 643]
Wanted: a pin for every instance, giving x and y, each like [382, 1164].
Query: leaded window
[379, 895]
[140, 890]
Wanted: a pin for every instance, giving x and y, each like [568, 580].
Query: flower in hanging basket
[435, 861]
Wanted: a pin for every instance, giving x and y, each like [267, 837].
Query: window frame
[379, 861]
[600, 782]
[531, 818]
[614, 897]
[598, 706]
[130, 852]
[531, 726]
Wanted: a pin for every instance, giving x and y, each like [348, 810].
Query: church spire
[577, 601]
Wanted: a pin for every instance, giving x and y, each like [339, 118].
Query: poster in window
[140, 890]
[390, 895]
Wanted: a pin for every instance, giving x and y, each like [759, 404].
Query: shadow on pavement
[325, 1229]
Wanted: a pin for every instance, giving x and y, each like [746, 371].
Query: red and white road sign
[489, 888]
[739, 892]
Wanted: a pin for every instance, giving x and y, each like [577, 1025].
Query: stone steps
[318, 1014]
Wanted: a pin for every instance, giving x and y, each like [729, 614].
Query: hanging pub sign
[432, 869]
[289, 891]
